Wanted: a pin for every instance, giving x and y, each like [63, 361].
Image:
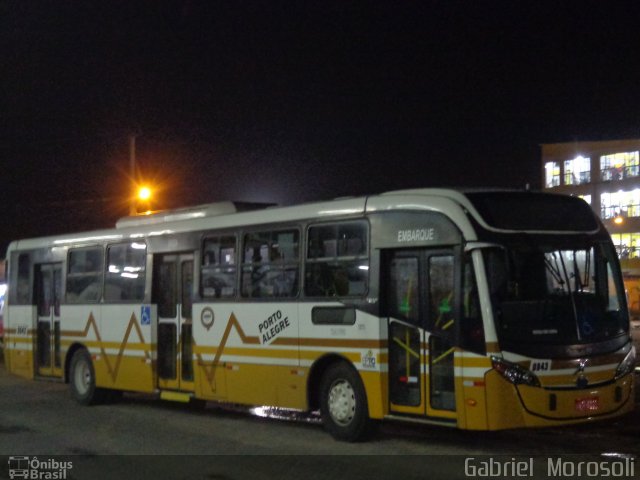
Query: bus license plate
[589, 404]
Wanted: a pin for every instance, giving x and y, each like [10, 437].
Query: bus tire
[82, 379]
[343, 404]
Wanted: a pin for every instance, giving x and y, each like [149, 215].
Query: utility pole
[132, 174]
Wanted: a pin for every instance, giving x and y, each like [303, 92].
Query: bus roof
[453, 203]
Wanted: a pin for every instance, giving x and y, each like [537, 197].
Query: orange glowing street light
[618, 220]
[144, 193]
[142, 200]
[142, 196]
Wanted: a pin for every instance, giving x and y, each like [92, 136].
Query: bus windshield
[548, 296]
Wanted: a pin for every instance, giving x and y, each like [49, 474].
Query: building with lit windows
[607, 175]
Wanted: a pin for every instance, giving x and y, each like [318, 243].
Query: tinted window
[337, 262]
[24, 279]
[126, 273]
[333, 315]
[546, 295]
[534, 211]
[270, 266]
[219, 270]
[84, 275]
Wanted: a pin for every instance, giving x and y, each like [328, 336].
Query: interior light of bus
[514, 373]
[627, 365]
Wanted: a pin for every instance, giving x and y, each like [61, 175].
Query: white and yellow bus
[479, 310]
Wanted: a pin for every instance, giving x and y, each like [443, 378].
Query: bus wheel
[82, 379]
[343, 404]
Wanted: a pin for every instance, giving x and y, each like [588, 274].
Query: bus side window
[271, 264]
[125, 278]
[337, 263]
[84, 275]
[219, 272]
[24, 279]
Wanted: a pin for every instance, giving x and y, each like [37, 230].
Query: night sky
[296, 101]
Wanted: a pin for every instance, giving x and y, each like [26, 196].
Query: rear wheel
[343, 404]
[82, 380]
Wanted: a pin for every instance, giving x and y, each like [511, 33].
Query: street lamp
[143, 200]
[144, 193]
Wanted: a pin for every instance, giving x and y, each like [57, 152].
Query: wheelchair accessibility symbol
[145, 315]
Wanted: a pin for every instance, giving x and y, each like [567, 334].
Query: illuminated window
[620, 203]
[586, 198]
[577, 171]
[619, 165]
[552, 174]
[627, 244]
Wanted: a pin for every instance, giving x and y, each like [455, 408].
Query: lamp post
[132, 173]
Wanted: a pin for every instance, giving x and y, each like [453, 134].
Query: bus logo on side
[18, 467]
[368, 360]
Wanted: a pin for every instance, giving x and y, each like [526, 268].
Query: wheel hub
[82, 377]
[342, 402]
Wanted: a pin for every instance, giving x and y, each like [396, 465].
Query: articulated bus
[480, 310]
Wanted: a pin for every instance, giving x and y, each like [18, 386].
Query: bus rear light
[514, 373]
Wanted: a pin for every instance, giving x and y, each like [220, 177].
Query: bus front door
[421, 303]
[172, 291]
[48, 289]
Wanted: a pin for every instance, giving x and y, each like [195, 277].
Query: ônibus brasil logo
[33, 468]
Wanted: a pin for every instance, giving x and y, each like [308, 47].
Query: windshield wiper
[554, 270]
[576, 274]
[571, 295]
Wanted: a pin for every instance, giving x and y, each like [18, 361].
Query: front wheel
[343, 404]
[82, 380]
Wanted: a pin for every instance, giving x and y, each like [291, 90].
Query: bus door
[173, 294]
[48, 291]
[421, 302]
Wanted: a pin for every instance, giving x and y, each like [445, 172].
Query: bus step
[175, 396]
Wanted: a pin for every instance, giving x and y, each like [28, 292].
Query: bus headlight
[627, 365]
[514, 373]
